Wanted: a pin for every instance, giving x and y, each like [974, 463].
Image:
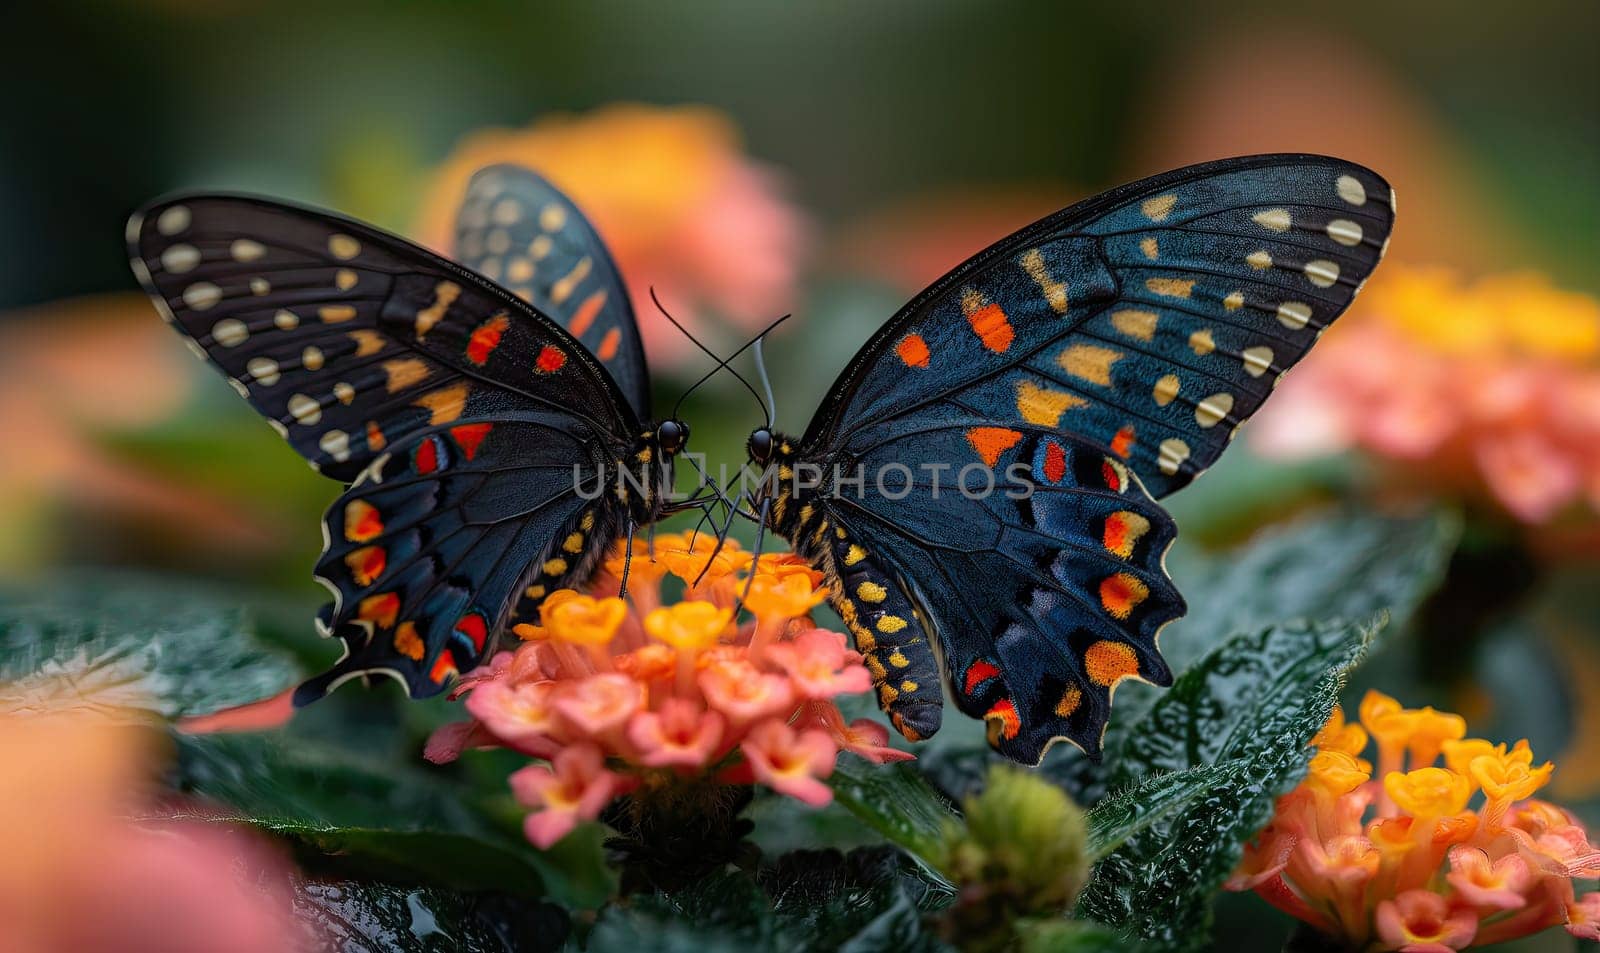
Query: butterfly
[490, 421]
[1061, 382]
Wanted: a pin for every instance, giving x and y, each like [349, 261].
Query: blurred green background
[892, 139]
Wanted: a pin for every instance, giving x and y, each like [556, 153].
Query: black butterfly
[1102, 357]
[472, 422]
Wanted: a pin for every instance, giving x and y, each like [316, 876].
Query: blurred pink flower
[575, 787]
[1486, 389]
[80, 877]
[681, 734]
[791, 762]
[675, 199]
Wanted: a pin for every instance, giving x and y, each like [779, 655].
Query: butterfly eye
[672, 435]
[760, 446]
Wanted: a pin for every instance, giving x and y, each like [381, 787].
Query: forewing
[1150, 321]
[350, 340]
[519, 230]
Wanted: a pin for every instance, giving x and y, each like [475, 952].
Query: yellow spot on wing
[1294, 314]
[445, 404]
[1135, 323]
[890, 624]
[444, 293]
[871, 592]
[1272, 219]
[555, 567]
[1043, 405]
[563, 288]
[1165, 390]
[1159, 207]
[1151, 248]
[343, 247]
[573, 543]
[1257, 360]
[1211, 410]
[1233, 301]
[1055, 292]
[854, 555]
[1201, 342]
[1260, 260]
[404, 372]
[335, 313]
[1089, 362]
[367, 342]
[1171, 287]
[898, 659]
[1172, 454]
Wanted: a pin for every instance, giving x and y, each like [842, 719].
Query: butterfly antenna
[721, 363]
[728, 360]
[766, 385]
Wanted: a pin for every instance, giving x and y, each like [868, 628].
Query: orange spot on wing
[585, 315]
[609, 344]
[469, 436]
[913, 350]
[1110, 474]
[445, 404]
[408, 643]
[381, 608]
[1122, 443]
[990, 442]
[1055, 462]
[550, 360]
[1003, 715]
[473, 626]
[1106, 662]
[1070, 700]
[993, 329]
[1122, 532]
[1121, 592]
[444, 667]
[362, 521]
[375, 438]
[366, 564]
[979, 672]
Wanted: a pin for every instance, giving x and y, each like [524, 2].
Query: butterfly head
[761, 445]
[671, 437]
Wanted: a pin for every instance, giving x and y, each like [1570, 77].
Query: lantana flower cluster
[607, 692]
[1484, 389]
[1417, 856]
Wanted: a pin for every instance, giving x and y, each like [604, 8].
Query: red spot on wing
[366, 564]
[444, 667]
[375, 438]
[362, 521]
[469, 436]
[1122, 443]
[427, 457]
[992, 327]
[473, 626]
[609, 344]
[990, 442]
[585, 315]
[1112, 476]
[486, 338]
[1005, 713]
[978, 673]
[913, 350]
[550, 360]
[1055, 461]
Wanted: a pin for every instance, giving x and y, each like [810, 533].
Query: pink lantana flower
[791, 762]
[661, 695]
[575, 787]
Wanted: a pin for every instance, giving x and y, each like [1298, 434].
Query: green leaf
[132, 641]
[724, 913]
[1151, 800]
[1237, 725]
[894, 800]
[1340, 564]
[365, 917]
[355, 817]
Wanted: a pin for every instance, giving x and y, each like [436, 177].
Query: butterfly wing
[458, 410]
[1107, 353]
[518, 229]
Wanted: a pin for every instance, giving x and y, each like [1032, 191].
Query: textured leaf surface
[129, 641]
[893, 800]
[1239, 722]
[353, 917]
[356, 817]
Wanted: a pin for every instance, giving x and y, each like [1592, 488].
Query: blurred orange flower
[676, 200]
[80, 877]
[1490, 387]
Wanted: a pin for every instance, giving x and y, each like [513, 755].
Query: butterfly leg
[627, 561]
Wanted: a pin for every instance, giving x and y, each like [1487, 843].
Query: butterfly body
[491, 456]
[1060, 383]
